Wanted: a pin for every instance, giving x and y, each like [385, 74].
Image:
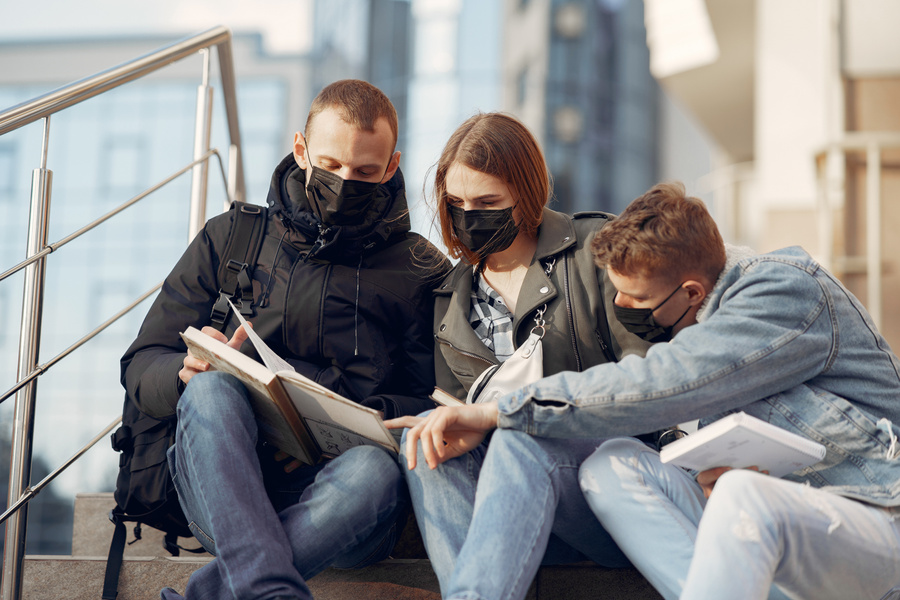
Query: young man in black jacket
[339, 293]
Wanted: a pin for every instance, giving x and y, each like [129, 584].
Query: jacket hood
[288, 203]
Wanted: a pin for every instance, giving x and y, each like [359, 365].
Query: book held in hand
[294, 413]
[741, 440]
[444, 398]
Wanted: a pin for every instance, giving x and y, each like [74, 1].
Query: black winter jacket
[350, 308]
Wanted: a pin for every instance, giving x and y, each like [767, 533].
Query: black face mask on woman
[484, 232]
[640, 321]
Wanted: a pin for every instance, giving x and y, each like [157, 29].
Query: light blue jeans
[490, 518]
[270, 530]
[755, 530]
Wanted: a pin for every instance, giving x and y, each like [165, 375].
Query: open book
[741, 440]
[294, 413]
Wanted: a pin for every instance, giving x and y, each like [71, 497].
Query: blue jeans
[490, 518]
[755, 531]
[271, 530]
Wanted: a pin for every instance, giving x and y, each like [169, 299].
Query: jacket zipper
[463, 352]
[569, 311]
[321, 340]
[606, 351]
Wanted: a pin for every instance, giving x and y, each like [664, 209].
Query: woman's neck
[505, 271]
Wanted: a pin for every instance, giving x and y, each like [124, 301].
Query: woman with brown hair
[522, 268]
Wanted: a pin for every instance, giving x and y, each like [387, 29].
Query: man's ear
[392, 167]
[696, 291]
[300, 155]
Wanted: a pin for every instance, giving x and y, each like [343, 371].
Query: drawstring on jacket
[356, 311]
[264, 297]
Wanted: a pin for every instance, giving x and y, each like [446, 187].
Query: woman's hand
[448, 432]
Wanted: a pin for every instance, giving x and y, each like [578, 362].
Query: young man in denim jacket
[773, 335]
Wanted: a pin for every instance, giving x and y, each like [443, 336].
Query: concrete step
[81, 578]
[407, 576]
[92, 531]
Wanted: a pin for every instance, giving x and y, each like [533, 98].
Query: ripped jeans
[755, 530]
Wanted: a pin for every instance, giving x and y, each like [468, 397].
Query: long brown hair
[495, 144]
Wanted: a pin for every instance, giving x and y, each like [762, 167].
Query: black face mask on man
[338, 201]
[641, 322]
[484, 232]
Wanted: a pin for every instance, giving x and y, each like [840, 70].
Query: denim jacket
[783, 341]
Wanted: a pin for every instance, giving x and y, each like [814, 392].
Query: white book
[741, 440]
[294, 413]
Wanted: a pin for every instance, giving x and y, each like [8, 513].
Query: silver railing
[38, 248]
[831, 162]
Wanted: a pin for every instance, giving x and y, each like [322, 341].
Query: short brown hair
[360, 103]
[664, 233]
[496, 144]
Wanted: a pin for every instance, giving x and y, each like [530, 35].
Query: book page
[321, 408]
[268, 356]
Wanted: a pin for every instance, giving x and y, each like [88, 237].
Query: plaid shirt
[491, 319]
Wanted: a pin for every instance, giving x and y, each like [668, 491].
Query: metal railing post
[202, 132]
[29, 350]
[873, 232]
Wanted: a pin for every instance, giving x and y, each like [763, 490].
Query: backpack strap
[116, 553]
[238, 260]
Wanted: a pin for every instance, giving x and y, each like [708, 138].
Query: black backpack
[145, 494]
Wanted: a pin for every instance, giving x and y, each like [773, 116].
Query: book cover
[741, 440]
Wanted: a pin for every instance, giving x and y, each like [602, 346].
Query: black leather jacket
[350, 308]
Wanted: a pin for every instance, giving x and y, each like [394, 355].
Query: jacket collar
[287, 201]
[556, 233]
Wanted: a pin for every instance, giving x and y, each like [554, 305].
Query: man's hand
[193, 365]
[707, 479]
[446, 433]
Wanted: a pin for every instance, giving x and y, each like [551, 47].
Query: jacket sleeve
[772, 331]
[149, 368]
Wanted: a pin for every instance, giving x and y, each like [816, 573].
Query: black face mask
[484, 232]
[640, 321]
[338, 201]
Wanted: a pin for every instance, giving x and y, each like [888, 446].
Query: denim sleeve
[771, 330]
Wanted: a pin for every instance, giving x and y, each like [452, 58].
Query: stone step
[81, 578]
[141, 578]
[408, 576]
[92, 531]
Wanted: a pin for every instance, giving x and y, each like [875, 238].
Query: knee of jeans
[515, 443]
[215, 394]
[376, 463]
[602, 470]
[739, 490]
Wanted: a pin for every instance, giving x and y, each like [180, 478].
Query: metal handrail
[49, 248]
[41, 108]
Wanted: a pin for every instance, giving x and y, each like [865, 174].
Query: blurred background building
[776, 114]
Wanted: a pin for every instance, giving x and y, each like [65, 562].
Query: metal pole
[29, 350]
[202, 131]
[873, 231]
